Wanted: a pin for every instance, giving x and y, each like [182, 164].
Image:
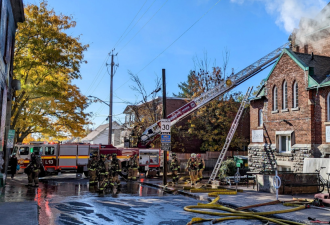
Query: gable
[294, 57]
[318, 67]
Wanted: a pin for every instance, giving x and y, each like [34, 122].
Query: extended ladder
[230, 135]
[151, 132]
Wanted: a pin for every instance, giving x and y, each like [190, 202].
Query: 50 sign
[49, 161]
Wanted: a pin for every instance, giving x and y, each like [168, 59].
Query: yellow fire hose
[234, 214]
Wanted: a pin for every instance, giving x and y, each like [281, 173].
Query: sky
[150, 35]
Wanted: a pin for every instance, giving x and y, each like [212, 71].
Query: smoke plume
[289, 12]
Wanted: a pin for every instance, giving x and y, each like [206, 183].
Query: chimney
[312, 55]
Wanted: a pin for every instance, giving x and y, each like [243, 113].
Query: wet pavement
[66, 200]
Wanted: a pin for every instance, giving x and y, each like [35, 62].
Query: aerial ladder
[232, 81]
[230, 135]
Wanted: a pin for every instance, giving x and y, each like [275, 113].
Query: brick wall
[299, 120]
[266, 155]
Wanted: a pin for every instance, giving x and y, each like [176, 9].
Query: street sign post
[165, 128]
[10, 140]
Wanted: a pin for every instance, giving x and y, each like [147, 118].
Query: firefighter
[93, 173]
[115, 168]
[102, 174]
[175, 167]
[133, 167]
[32, 170]
[108, 171]
[201, 167]
[192, 167]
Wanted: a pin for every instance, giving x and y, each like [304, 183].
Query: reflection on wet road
[68, 201]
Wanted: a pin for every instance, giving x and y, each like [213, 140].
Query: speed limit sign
[165, 126]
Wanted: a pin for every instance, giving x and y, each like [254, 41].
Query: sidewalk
[17, 206]
[251, 197]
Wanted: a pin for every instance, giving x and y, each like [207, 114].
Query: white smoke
[289, 12]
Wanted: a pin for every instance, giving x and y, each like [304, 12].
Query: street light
[110, 120]
[97, 99]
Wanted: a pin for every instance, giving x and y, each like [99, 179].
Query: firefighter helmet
[33, 156]
[102, 156]
[114, 154]
[173, 154]
[193, 155]
[199, 155]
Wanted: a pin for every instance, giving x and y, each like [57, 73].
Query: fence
[210, 158]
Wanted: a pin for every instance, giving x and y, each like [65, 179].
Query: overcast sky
[150, 35]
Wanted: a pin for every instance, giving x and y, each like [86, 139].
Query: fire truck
[74, 157]
[56, 157]
[149, 159]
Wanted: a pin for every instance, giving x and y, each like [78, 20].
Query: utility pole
[111, 97]
[164, 117]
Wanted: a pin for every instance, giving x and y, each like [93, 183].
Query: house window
[295, 95]
[284, 168]
[275, 99]
[328, 106]
[284, 143]
[285, 95]
[260, 121]
[127, 118]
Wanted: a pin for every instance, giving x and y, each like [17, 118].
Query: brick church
[290, 115]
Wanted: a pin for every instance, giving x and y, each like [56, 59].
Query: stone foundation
[264, 157]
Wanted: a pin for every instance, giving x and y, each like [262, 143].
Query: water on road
[66, 200]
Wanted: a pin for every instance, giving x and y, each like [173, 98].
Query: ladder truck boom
[232, 81]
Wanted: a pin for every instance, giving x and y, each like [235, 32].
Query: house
[11, 13]
[290, 115]
[191, 145]
[153, 108]
[101, 133]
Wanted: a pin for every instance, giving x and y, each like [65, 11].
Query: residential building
[101, 133]
[192, 145]
[290, 116]
[11, 13]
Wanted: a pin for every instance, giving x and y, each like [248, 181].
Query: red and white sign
[181, 111]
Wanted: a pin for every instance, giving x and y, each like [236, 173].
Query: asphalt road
[65, 200]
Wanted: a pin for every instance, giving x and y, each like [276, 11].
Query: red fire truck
[56, 157]
[74, 157]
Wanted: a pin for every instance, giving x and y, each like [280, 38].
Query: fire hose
[232, 214]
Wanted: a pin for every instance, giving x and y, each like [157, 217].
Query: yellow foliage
[46, 61]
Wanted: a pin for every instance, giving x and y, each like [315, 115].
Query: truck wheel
[86, 173]
[124, 172]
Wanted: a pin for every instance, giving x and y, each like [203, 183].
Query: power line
[130, 23]
[120, 39]
[172, 42]
[143, 26]
[98, 83]
[98, 74]
[107, 57]
[179, 37]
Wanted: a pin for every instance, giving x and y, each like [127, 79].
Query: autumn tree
[212, 122]
[146, 107]
[46, 61]
[188, 87]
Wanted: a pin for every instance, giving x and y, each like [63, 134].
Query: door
[49, 156]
